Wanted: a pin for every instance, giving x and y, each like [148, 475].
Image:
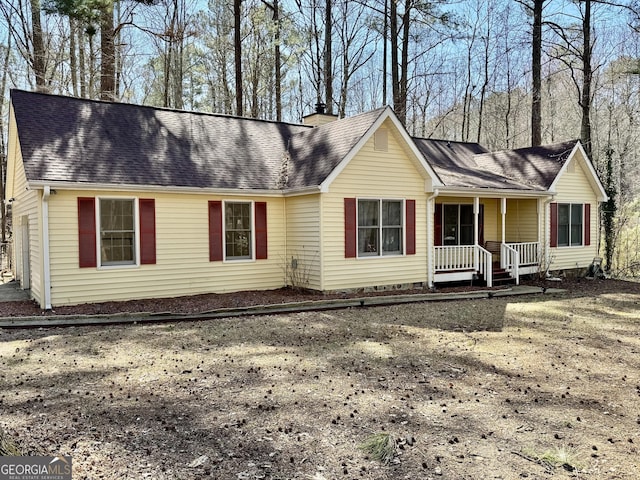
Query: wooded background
[505, 73]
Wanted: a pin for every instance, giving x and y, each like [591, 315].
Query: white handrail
[486, 264]
[512, 262]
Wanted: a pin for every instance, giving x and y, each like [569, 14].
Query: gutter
[483, 193]
[46, 281]
[126, 187]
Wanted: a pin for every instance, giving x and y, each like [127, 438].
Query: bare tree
[237, 49]
[275, 9]
[25, 27]
[3, 147]
[355, 38]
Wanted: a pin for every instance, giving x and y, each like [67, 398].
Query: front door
[453, 224]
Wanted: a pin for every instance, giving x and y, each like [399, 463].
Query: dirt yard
[538, 387]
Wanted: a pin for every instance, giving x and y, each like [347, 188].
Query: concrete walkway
[315, 305]
[10, 291]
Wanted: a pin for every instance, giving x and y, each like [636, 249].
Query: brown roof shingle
[65, 139]
[469, 165]
[76, 140]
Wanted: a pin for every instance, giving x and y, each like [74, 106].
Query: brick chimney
[319, 117]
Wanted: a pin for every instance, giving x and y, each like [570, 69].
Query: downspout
[430, 240]
[46, 281]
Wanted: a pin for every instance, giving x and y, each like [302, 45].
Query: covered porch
[487, 240]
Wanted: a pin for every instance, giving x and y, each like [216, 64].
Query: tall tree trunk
[82, 64]
[38, 64]
[237, 48]
[587, 74]
[536, 69]
[3, 147]
[328, 67]
[166, 74]
[404, 65]
[107, 51]
[385, 29]
[485, 82]
[277, 60]
[73, 63]
[395, 77]
[609, 208]
[117, 61]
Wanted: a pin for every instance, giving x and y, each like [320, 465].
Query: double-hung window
[570, 224]
[237, 230]
[380, 227]
[117, 231]
[238, 238]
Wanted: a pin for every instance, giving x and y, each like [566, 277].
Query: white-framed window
[117, 228]
[457, 224]
[238, 230]
[570, 224]
[380, 227]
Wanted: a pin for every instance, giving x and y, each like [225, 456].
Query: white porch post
[476, 212]
[476, 252]
[503, 218]
[503, 214]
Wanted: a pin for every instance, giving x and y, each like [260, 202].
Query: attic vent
[571, 167]
[381, 140]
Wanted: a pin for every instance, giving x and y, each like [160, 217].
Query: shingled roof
[65, 139]
[316, 152]
[470, 165]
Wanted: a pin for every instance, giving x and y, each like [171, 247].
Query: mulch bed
[209, 302]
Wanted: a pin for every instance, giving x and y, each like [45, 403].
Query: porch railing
[461, 258]
[527, 252]
[455, 258]
[510, 259]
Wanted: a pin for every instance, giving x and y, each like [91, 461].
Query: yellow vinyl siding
[374, 174]
[303, 242]
[574, 187]
[26, 213]
[492, 220]
[182, 254]
[521, 220]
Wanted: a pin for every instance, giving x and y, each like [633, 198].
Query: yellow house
[113, 201]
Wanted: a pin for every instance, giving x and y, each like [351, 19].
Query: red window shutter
[411, 226]
[350, 228]
[147, 208]
[553, 241]
[215, 231]
[261, 230]
[587, 224]
[87, 232]
[437, 225]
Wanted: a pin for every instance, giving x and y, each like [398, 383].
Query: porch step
[500, 277]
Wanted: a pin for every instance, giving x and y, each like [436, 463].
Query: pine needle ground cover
[546, 386]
